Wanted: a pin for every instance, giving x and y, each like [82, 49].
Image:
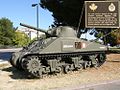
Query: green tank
[61, 51]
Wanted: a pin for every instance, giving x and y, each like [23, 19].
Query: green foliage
[6, 31]
[116, 36]
[8, 35]
[21, 39]
[109, 36]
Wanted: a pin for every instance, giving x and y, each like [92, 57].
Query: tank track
[42, 64]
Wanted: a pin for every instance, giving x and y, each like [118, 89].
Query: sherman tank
[60, 51]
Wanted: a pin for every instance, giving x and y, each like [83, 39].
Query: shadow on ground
[21, 74]
[17, 74]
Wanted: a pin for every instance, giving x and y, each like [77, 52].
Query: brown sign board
[102, 14]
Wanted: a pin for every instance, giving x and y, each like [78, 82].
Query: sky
[21, 11]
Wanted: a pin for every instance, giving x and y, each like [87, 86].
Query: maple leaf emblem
[93, 7]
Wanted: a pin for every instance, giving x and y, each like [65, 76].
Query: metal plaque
[102, 14]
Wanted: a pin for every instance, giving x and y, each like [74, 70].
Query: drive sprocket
[34, 66]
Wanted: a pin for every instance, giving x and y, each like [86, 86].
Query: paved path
[10, 50]
[3, 62]
[108, 85]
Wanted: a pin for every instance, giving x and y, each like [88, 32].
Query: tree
[9, 36]
[21, 39]
[6, 31]
[116, 36]
[65, 12]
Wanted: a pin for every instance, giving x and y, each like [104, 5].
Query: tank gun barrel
[38, 29]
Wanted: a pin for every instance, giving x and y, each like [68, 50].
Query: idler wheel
[101, 59]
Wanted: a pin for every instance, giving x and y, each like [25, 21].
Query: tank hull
[60, 55]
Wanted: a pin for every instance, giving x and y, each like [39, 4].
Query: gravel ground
[10, 78]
